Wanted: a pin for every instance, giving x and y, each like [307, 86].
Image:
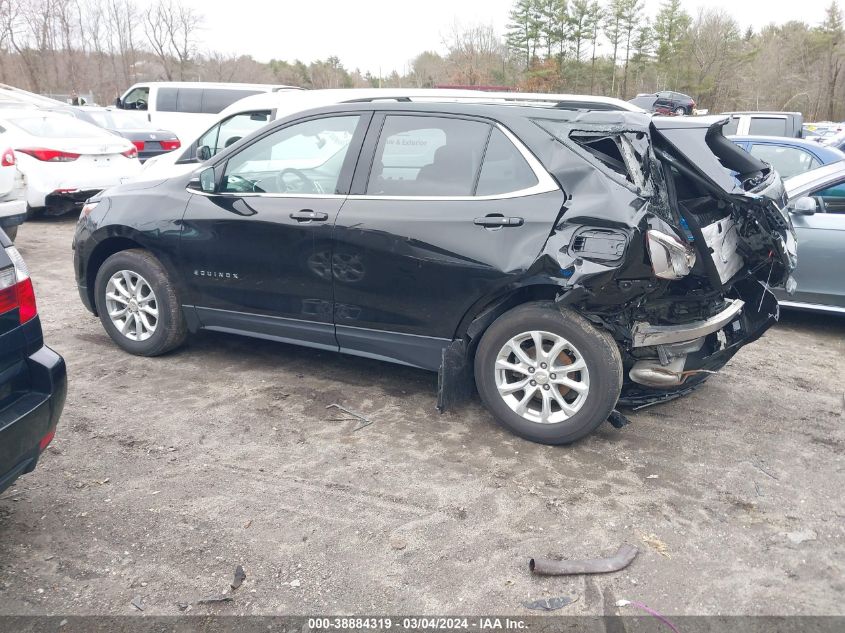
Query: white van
[188, 107]
[248, 115]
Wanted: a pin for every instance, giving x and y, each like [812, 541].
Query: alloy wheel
[131, 305]
[542, 377]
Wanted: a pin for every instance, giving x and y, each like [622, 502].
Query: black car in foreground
[566, 259]
[33, 381]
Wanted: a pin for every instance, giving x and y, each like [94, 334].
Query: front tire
[557, 395]
[138, 304]
[681, 111]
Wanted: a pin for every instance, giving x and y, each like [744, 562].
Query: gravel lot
[166, 473]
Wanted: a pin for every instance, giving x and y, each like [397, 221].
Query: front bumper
[30, 415]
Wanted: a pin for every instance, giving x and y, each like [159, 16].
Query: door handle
[307, 215]
[497, 221]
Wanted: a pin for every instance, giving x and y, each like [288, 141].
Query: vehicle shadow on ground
[812, 321]
[312, 364]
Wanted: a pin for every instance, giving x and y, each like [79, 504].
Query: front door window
[305, 158]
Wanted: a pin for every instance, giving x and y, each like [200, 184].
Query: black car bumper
[759, 312]
[66, 202]
[29, 416]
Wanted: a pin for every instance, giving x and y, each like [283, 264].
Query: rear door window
[189, 100]
[427, 156]
[166, 99]
[767, 126]
[787, 161]
[215, 100]
[504, 169]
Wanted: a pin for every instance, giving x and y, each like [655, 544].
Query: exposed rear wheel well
[474, 324]
[101, 253]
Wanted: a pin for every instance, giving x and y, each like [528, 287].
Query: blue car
[789, 156]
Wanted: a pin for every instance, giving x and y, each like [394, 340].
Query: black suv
[561, 257]
[33, 381]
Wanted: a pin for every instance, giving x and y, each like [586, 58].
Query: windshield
[57, 127]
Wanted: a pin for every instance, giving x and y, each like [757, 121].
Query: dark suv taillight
[16, 291]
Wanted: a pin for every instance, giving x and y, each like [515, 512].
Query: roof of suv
[490, 109]
[295, 101]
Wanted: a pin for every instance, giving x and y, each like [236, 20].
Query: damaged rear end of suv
[670, 240]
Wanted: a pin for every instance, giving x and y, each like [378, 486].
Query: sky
[384, 35]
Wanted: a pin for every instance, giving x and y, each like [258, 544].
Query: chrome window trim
[545, 184]
[258, 194]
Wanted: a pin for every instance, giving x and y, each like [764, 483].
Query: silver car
[817, 207]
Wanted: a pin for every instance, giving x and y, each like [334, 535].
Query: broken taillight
[670, 258]
[16, 291]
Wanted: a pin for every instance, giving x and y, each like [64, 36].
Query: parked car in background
[64, 160]
[789, 156]
[187, 107]
[531, 246]
[665, 102]
[817, 207]
[12, 194]
[252, 113]
[836, 141]
[148, 140]
[764, 124]
[33, 381]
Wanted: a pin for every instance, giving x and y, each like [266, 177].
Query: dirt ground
[166, 473]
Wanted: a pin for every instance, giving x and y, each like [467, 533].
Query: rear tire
[138, 304]
[681, 111]
[557, 406]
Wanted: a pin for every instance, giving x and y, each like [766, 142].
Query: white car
[12, 190]
[244, 117]
[65, 161]
[188, 107]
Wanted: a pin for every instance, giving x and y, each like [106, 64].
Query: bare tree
[172, 30]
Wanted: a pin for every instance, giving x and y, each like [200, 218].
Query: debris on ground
[649, 610]
[247, 524]
[215, 600]
[617, 420]
[295, 583]
[550, 604]
[240, 576]
[656, 544]
[799, 537]
[365, 422]
[621, 559]
[398, 543]
[183, 606]
[137, 603]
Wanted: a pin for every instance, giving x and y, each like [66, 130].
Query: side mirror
[203, 153]
[118, 103]
[804, 206]
[205, 181]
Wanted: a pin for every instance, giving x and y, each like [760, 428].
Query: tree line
[608, 47]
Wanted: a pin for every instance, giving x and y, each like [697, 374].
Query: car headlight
[670, 258]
